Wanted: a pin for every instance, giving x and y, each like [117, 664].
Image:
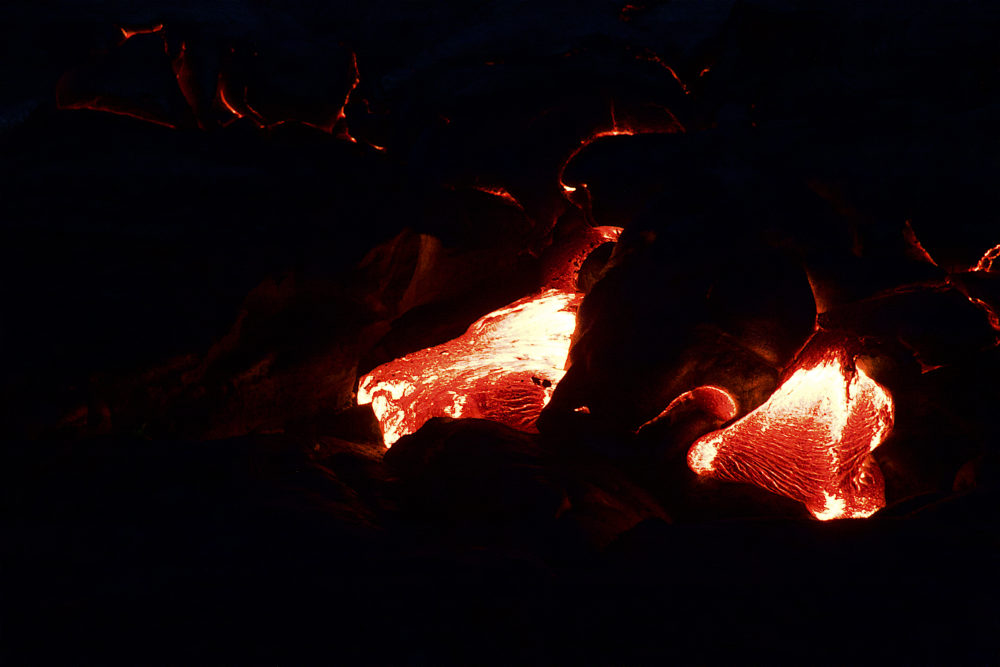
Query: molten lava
[811, 441]
[504, 368]
[985, 263]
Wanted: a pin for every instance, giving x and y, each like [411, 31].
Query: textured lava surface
[811, 441]
[503, 368]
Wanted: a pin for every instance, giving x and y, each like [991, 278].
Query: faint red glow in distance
[985, 263]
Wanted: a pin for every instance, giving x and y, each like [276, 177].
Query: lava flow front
[503, 368]
[811, 441]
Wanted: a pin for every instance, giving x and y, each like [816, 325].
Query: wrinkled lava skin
[811, 441]
[502, 368]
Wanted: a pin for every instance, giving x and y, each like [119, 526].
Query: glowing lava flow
[129, 33]
[986, 261]
[811, 441]
[503, 368]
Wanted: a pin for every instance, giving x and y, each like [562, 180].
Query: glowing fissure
[985, 263]
[811, 441]
[238, 109]
[504, 368]
[712, 400]
[615, 131]
[991, 313]
[609, 233]
[97, 104]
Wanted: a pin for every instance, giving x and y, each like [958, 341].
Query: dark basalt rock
[981, 286]
[938, 324]
[981, 473]
[130, 531]
[134, 78]
[514, 124]
[476, 478]
[310, 83]
[683, 311]
[592, 268]
[225, 278]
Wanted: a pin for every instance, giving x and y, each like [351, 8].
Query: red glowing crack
[129, 33]
[713, 401]
[811, 441]
[503, 368]
[986, 261]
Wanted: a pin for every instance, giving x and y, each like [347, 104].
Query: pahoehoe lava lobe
[503, 368]
[811, 441]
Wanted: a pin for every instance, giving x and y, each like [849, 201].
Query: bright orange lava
[811, 441]
[503, 368]
[712, 400]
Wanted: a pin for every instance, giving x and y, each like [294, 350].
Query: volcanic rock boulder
[254, 526]
[811, 441]
[682, 307]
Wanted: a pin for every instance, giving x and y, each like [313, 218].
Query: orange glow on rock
[672, 126]
[184, 76]
[811, 441]
[504, 368]
[652, 57]
[911, 238]
[128, 33]
[991, 313]
[502, 193]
